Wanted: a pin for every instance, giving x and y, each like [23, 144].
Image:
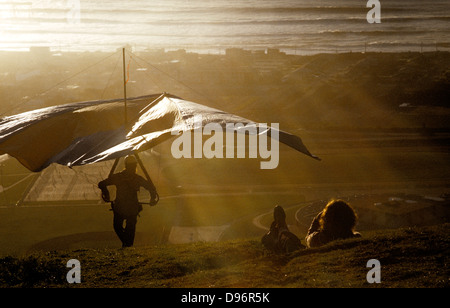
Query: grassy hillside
[377, 127]
[409, 257]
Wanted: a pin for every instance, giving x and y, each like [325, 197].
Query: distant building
[273, 52]
[40, 51]
[270, 61]
[237, 53]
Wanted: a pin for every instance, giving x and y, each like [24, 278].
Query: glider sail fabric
[88, 132]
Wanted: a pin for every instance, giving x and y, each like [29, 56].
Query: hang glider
[88, 132]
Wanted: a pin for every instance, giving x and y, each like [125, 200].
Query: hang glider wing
[88, 132]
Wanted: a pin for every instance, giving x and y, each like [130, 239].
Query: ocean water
[293, 26]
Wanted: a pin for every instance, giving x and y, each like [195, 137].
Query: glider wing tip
[316, 157]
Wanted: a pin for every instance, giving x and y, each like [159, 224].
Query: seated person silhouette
[279, 239]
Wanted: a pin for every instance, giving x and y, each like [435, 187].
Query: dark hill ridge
[374, 90]
[386, 211]
[409, 257]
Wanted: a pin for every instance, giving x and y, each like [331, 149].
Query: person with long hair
[336, 221]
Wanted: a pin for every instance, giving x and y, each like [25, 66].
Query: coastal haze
[294, 26]
[371, 100]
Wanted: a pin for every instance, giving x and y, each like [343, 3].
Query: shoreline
[445, 48]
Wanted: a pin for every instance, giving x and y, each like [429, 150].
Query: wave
[250, 10]
[234, 22]
[255, 9]
[397, 33]
[318, 36]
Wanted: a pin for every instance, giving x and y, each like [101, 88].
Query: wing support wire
[141, 164]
